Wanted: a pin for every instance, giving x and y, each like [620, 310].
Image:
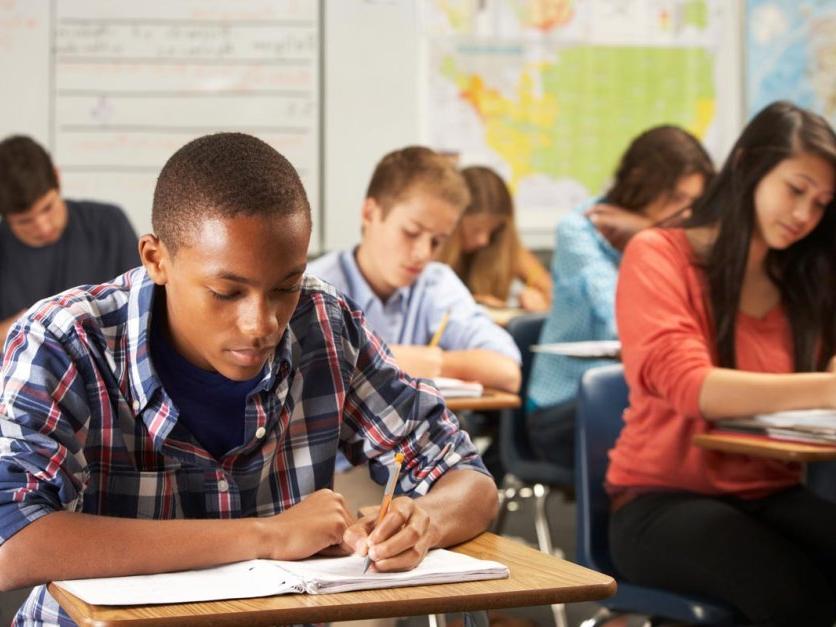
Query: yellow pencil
[440, 330]
[388, 493]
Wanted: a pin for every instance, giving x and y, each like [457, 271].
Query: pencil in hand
[388, 493]
[440, 330]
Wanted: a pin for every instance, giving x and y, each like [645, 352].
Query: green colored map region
[574, 116]
[695, 13]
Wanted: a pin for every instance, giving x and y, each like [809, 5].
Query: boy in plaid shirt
[188, 413]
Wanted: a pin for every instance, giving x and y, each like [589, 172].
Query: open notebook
[259, 578]
[808, 425]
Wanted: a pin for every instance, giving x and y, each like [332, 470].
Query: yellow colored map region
[545, 15]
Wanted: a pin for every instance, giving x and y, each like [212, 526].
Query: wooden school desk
[490, 400]
[536, 579]
[764, 446]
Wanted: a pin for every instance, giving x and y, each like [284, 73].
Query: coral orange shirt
[667, 349]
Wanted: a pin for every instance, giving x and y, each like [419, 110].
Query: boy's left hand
[399, 542]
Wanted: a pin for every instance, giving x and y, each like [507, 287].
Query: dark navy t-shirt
[209, 405]
[97, 245]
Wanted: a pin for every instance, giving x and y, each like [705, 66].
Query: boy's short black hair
[223, 175]
[26, 174]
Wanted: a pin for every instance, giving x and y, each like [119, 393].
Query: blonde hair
[416, 168]
[491, 269]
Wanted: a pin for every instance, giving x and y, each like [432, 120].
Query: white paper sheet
[598, 348]
[257, 578]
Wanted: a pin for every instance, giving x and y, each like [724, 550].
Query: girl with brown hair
[486, 252]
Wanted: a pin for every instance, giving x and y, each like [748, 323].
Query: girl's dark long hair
[805, 273]
[653, 164]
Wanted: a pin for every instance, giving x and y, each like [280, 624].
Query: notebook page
[242, 580]
[341, 574]
[258, 578]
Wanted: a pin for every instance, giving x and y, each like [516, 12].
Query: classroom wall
[372, 102]
[372, 71]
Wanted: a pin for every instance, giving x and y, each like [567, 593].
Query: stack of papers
[456, 388]
[258, 578]
[808, 425]
[591, 349]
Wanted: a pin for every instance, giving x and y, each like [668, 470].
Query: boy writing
[188, 414]
[413, 202]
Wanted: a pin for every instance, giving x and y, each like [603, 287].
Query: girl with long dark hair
[731, 316]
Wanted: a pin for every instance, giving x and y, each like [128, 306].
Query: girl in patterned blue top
[660, 175]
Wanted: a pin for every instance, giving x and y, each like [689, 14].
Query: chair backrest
[514, 446]
[525, 330]
[602, 399]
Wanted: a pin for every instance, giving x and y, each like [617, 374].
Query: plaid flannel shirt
[86, 426]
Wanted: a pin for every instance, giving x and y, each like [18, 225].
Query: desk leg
[436, 620]
[476, 619]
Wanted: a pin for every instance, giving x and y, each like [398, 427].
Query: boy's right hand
[315, 525]
[419, 361]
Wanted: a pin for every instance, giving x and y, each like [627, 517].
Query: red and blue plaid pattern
[86, 426]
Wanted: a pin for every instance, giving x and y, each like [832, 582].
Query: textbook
[817, 426]
[456, 388]
[260, 578]
[590, 349]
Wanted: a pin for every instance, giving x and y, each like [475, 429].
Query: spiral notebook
[259, 578]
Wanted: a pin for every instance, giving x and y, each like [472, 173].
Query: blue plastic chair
[602, 399]
[520, 463]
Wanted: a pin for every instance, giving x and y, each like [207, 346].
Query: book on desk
[591, 349]
[259, 578]
[457, 388]
[816, 426]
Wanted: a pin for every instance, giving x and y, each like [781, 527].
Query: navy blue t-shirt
[210, 406]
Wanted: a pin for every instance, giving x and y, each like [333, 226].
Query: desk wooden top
[490, 400]
[764, 446]
[536, 579]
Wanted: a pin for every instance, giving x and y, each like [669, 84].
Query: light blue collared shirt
[412, 314]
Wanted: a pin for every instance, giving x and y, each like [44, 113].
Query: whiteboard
[113, 89]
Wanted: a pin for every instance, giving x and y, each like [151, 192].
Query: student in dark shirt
[48, 244]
